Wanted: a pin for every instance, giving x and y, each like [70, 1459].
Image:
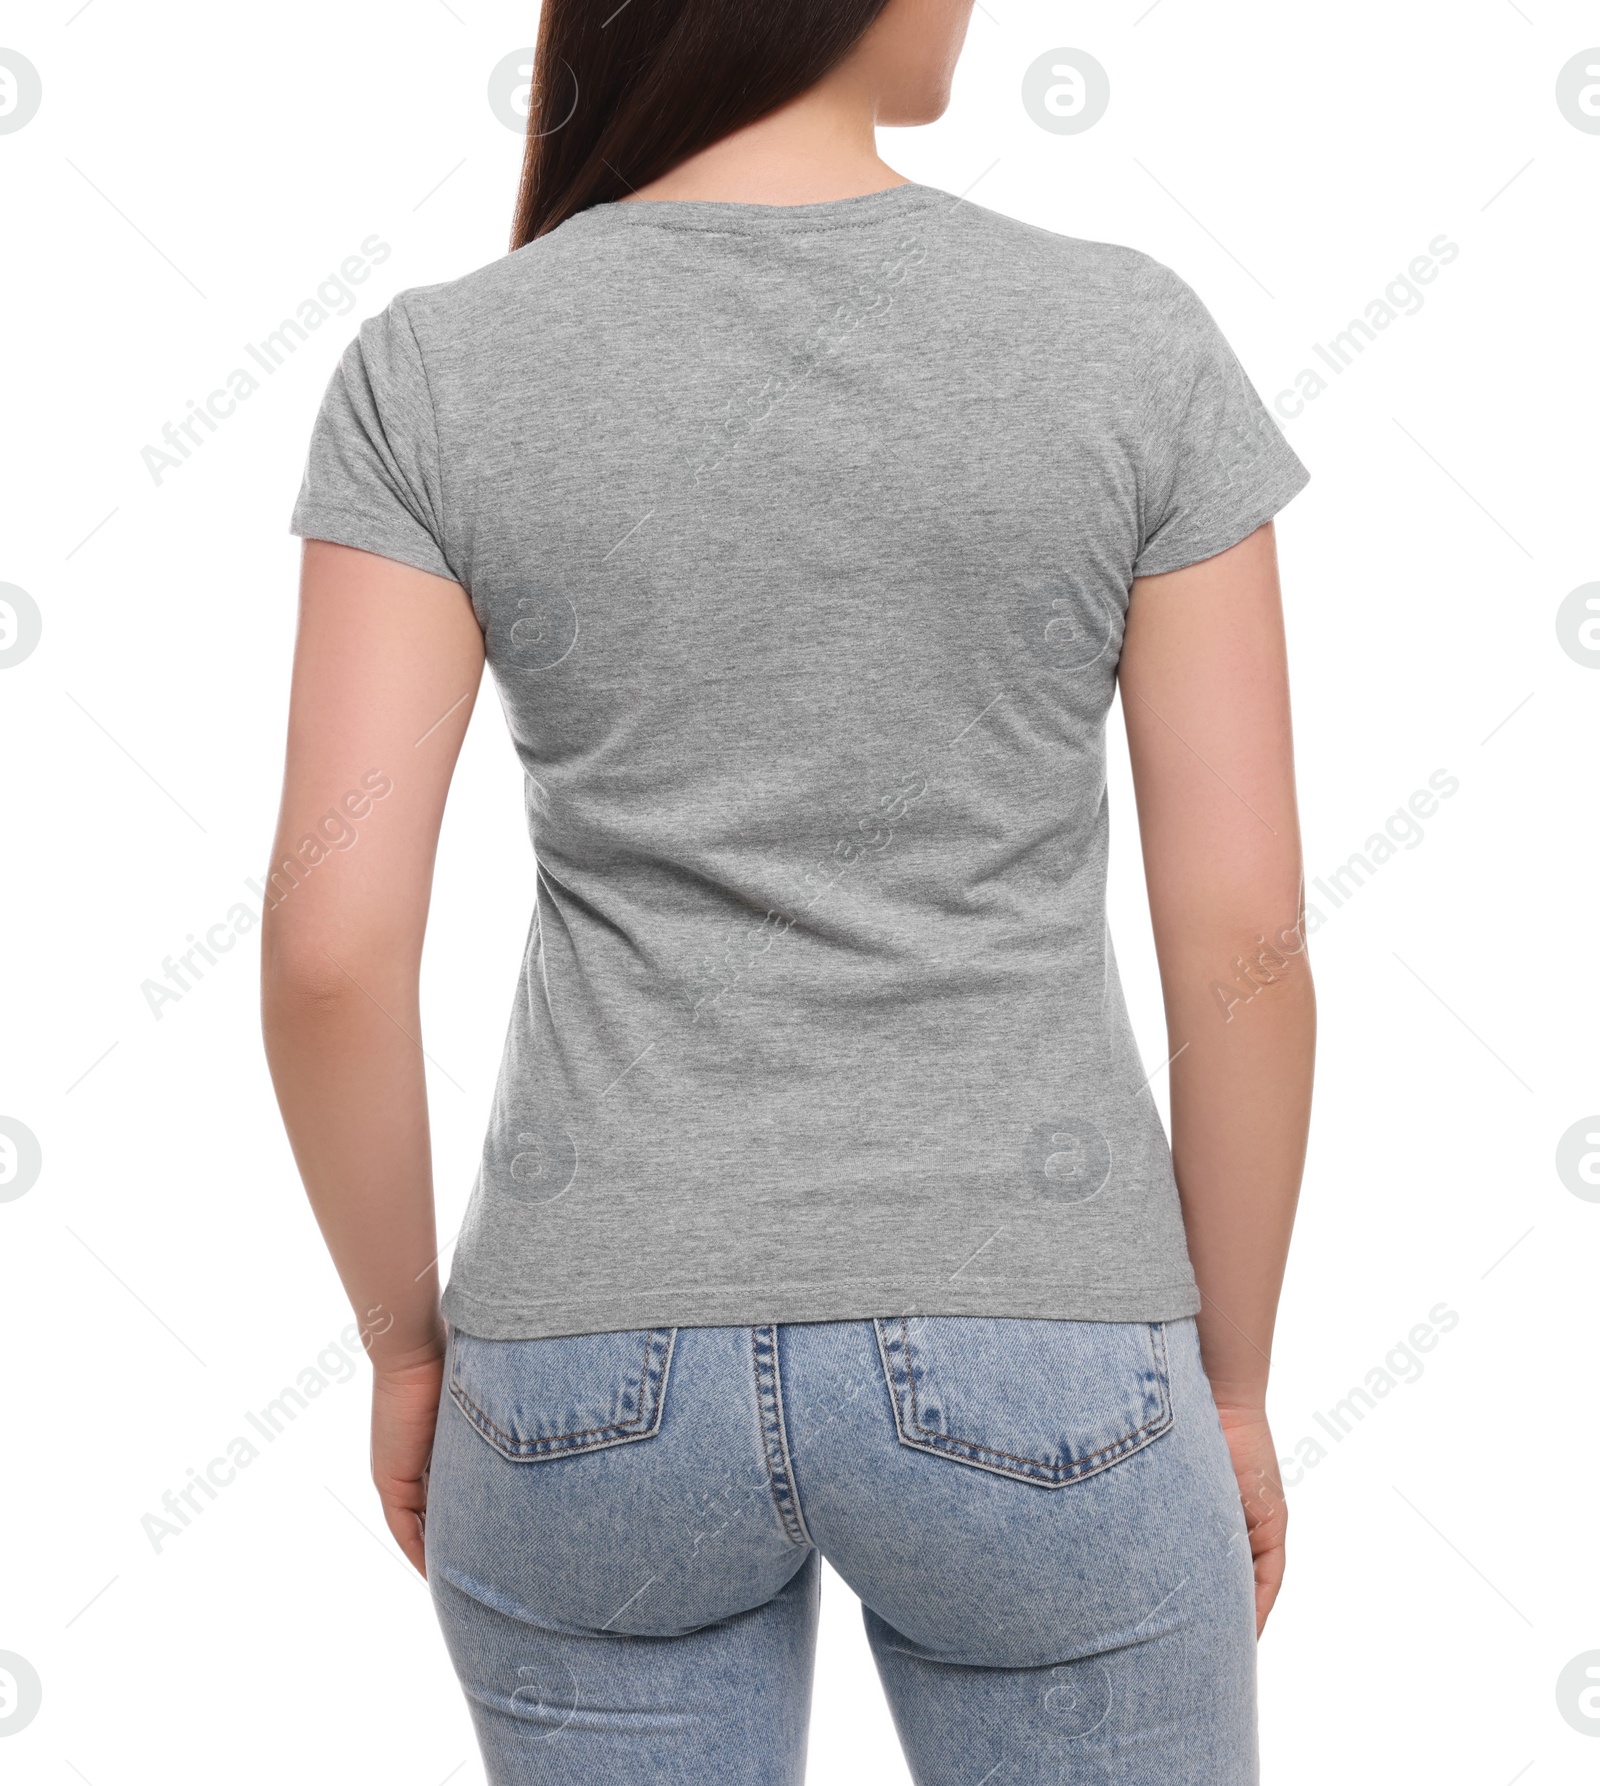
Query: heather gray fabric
[802, 540]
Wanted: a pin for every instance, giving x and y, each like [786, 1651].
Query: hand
[405, 1404]
[1266, 1511]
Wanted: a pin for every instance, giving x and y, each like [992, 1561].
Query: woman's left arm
[1205, 698]
[387, 664]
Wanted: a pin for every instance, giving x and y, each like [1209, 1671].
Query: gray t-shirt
[801, 538]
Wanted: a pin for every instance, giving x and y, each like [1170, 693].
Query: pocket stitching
[652, 1389]
[1052, 1475]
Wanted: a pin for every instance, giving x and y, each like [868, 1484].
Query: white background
[194, 172]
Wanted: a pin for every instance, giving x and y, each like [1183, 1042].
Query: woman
[808, 518]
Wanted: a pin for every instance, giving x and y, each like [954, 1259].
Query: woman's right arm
[1205, 695]
[387, 665]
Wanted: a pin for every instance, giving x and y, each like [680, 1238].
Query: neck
[820, 146]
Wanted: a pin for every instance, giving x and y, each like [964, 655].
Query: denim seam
[1034, 1469]
[652, 1401]
[774, 1439]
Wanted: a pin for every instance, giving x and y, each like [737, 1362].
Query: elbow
[300, 994]
[309, 964]
[1269, 969]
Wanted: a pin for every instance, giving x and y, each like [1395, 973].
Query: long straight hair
[623, 90]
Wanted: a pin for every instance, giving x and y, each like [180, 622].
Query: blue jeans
[1040, 1518]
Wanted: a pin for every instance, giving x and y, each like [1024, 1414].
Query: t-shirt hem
[1241, 517]
[349, 527]
[855, 1299]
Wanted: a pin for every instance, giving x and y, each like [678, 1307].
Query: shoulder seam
[398, 304]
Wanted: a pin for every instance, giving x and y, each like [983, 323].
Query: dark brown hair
[623, 90]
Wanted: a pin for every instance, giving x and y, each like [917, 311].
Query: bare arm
[1205, 696]
[387, 665]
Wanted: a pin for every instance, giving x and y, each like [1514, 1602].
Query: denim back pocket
[1047, 1402]
[533, 1399]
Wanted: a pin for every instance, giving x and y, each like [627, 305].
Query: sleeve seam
[1288, 476]
[311, 518]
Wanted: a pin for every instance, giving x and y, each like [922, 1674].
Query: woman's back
[801, 538]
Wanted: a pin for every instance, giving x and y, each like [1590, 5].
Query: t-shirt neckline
[731, 217]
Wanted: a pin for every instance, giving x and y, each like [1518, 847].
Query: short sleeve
[1216, 466]
[372, 475]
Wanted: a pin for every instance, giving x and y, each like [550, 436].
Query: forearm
[347, 1064]
[1241, 1102]
[387, 663]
